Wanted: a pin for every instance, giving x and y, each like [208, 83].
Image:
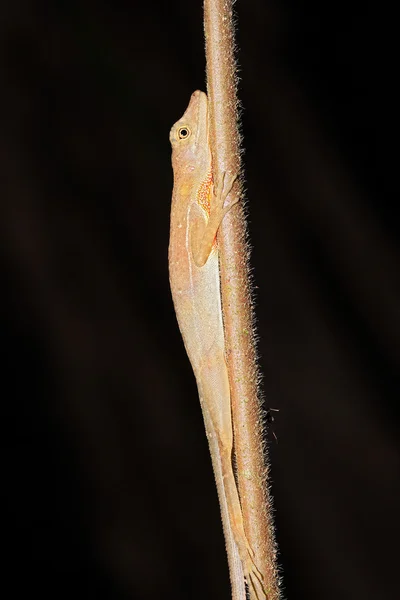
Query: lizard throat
[204, 194]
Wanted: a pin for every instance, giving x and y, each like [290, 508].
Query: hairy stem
[236, 296]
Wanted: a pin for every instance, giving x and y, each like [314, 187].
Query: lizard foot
[254, 578]
[222, 189]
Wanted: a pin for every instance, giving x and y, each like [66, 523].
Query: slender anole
[198, 208]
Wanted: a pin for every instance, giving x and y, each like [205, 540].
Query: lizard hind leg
[217, 414]
[253, 575]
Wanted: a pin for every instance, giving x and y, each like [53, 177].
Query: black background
[106, 477]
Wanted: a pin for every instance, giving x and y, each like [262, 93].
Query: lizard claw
[254, 577]
[222, 189]
[223, 186]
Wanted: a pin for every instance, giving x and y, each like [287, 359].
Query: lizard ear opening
[183, 133]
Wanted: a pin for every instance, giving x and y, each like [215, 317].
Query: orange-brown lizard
[198, 207]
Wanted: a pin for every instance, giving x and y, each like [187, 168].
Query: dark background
[105, 471]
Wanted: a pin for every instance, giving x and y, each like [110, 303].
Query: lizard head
[189, 135]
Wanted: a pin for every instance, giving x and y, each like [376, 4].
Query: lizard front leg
[204, 231]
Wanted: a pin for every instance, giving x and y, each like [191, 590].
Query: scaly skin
[196, 214]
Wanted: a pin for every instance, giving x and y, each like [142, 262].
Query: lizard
[198, 208]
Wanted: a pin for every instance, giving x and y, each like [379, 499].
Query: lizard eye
[183, 133]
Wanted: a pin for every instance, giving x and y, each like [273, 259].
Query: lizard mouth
[197, 115]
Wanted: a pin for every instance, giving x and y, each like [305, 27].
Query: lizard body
[196, 214]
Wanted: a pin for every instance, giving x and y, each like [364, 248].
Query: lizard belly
[198, 309]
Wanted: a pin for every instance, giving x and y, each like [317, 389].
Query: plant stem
[237, 297]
